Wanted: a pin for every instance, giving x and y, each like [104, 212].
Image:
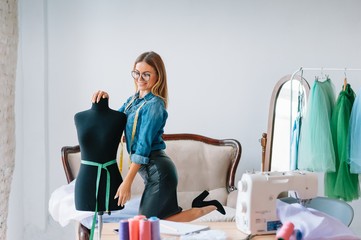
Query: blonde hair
[160, 88]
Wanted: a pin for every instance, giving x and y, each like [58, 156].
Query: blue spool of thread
[298, 234]
[123, 230]
[155, 229]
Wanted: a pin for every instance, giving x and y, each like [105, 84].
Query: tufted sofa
[202, 163]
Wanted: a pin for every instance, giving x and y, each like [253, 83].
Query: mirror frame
[267, 138]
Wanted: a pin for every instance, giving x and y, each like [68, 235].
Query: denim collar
[147, 97]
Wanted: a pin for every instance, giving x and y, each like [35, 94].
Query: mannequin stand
[100, 224]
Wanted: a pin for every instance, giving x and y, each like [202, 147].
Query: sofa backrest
[202, 164]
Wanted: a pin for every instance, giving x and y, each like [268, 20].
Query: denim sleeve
[151, 125]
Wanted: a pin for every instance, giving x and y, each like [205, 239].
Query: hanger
[344, 81]
[323, 77]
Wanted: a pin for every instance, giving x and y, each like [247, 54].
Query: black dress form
[99, 131]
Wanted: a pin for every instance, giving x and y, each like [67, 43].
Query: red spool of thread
[133, 229]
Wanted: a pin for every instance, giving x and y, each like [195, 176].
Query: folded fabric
[62, 208]
[131, 209]
[312, 223]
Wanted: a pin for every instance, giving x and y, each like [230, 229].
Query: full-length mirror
[287, 104]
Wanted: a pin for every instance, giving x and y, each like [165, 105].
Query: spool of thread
[285, 231]
[123, 230]
[144, 230]
[298, 234]
[155, 228]
[133, 229]
[139, 217]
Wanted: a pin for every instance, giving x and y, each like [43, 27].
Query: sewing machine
[257, 194]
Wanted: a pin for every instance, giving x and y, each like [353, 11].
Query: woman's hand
[99, 95]
[123, 194]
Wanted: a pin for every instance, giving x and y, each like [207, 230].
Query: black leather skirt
[160, 177]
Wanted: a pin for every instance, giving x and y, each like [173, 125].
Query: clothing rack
[301, 69]
[323, 69]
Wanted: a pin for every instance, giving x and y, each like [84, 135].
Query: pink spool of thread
[285, 231]
[139, 217]
[144, 230]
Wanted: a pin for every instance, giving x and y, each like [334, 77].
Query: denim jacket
[150, 126]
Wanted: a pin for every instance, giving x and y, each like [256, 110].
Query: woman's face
[144, 76]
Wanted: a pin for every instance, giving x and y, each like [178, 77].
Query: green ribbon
[107, 193]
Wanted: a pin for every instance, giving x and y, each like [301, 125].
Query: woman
[146, 118]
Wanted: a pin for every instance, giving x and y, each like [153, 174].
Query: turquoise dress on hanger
[316, 152]
[342, 184]
[296, 130]
[355, 136]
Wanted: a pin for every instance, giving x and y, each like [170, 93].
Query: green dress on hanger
[342, 184]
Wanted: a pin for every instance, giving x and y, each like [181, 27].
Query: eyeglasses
[145, 76]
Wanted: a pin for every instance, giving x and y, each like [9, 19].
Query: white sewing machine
[257, 194]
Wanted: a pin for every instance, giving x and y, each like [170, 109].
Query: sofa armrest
[232, 199]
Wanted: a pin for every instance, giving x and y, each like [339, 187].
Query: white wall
[222, 58]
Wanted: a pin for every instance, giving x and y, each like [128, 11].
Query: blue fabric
[150, 127]
[130, 210]
[295, 141]
[296, 131]
[355, 136]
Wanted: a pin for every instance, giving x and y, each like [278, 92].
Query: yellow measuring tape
[133, 134]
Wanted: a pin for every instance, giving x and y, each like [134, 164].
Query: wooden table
[228, 227]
